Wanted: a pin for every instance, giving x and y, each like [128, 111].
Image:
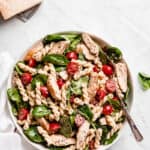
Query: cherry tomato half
[44, 91]
[107, 69]
[60, 82]
[23, 113]
[32, 62]
[26, 78]
[72, 55]
[100, 94]
[72, 68]
[107, 109]
[54, 127]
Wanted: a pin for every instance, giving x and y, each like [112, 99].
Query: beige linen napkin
[10, 8]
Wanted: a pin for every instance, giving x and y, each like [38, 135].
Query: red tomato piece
[92, 145]
[100, 94]
[107, 109]
[110, 85]
[54, 127]
[26, 78]
[32, 62]
[72, 99]
[23, 113]
[107, 69]
[115, 98]
[96, 69]
[44, 91]
[79, 120]
[60, 82]
[72, 68]
[72, 55]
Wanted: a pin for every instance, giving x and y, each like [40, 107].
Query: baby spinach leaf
[18, 70]
[102, 56]
[59, 68]
[74, 43]
[85, 111]
[38, 78]
[33, 135]
[72, 119]
[114, 53]
[144, 80]
[111, 139]
[56, 59]
[14, 95]
[106, 129]
[77, 84]
[58, 37]
[115, 103]
[40, 111]
[66, 128]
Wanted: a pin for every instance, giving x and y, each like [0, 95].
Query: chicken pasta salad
[65, 91]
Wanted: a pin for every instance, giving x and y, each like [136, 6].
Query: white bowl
[41, 147]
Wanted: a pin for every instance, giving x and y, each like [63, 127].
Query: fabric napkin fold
[9, 139]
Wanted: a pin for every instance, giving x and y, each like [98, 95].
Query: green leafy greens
[14, 95]
[33, 135]
[85, 111]
[38, 78]
[144, 80]
[66, 127]
[77, 84]
[40, 111]
[59, 37]
[114, 53]
[56, 59]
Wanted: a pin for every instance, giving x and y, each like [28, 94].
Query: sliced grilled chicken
[43, 122]
[53, 87]
[121, 72]
[59, 47]
[82, 48]
[60, 140]
[82, 134]
[93, 85]
[93, 47]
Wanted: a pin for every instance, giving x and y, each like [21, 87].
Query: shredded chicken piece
[44, 123]
[93, 47]
[82, 48]
[26, 68]
[82, 134]
[53, 87]
[55, 139]
[38, 55]
[121, 71]
[52, 84]
[93, 85]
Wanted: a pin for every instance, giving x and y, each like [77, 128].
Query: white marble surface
[123, 23]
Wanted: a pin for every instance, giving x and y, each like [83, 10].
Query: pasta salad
[64, 92]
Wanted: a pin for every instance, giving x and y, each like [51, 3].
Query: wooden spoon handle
[137, 134]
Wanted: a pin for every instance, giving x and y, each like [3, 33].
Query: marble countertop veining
[124, 24]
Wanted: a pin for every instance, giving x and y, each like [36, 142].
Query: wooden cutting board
[10, 8]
